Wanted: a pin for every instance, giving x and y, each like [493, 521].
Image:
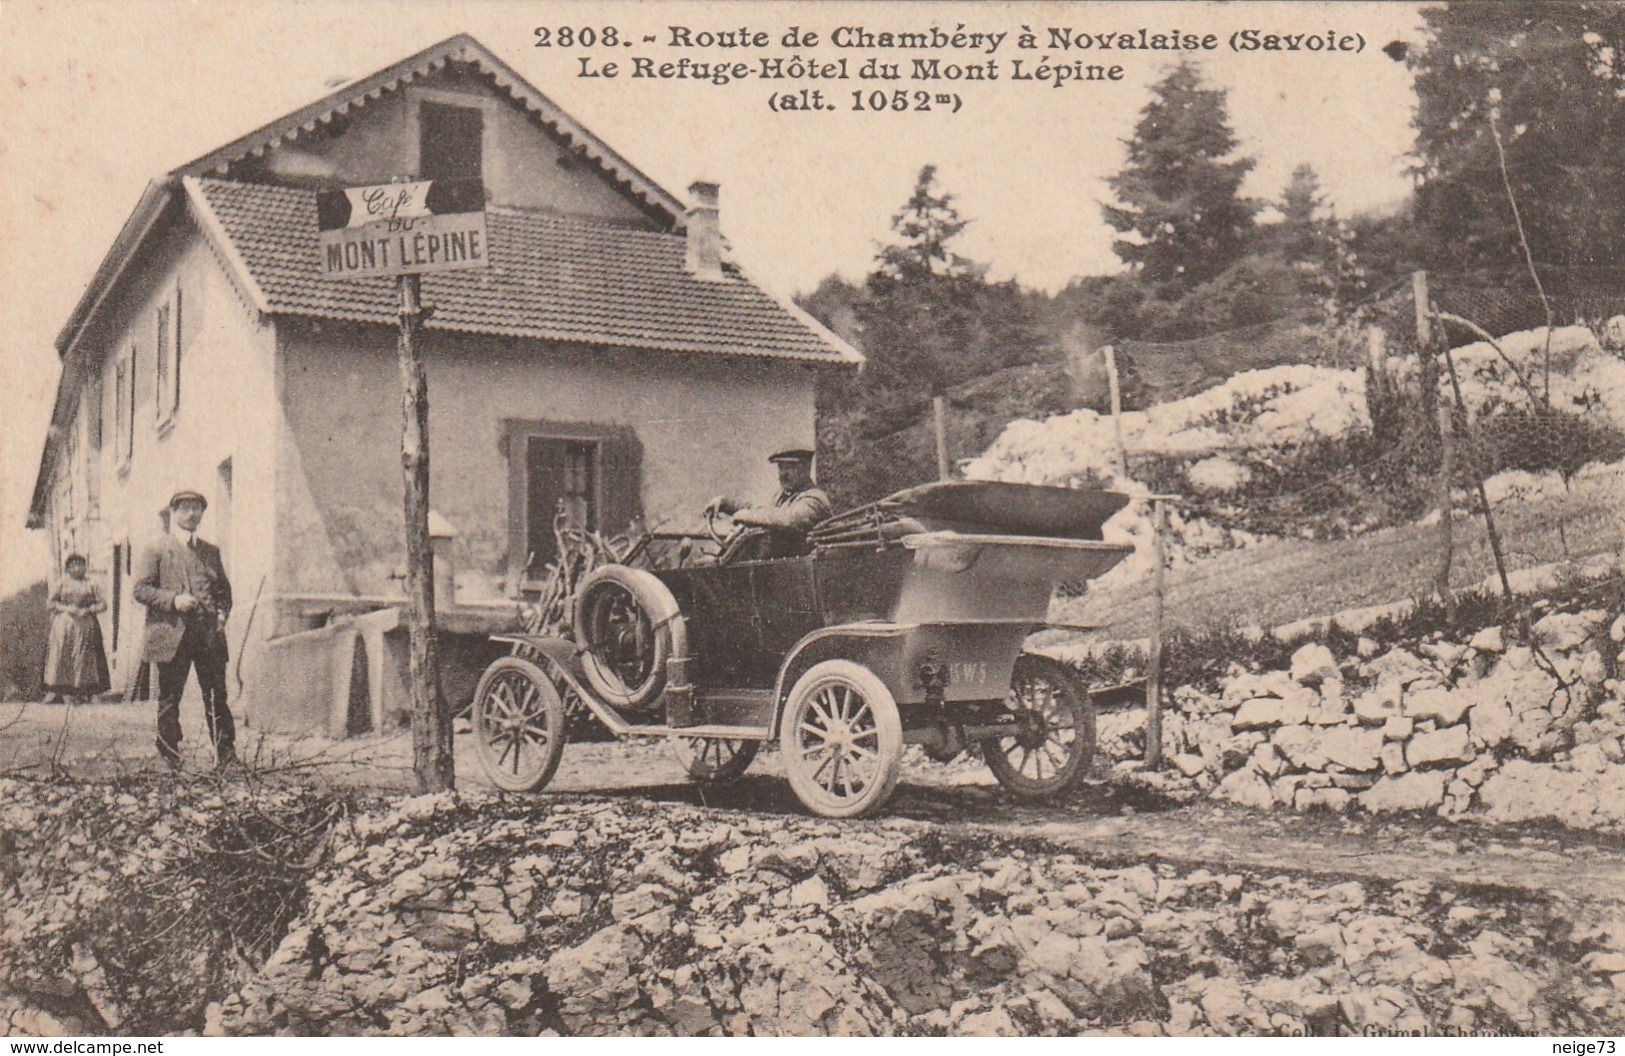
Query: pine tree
[1552, 78]
[927, 223]
[927, 319]
[1301, 200]
[1179, 192]
[1306, 235]
[931, 318]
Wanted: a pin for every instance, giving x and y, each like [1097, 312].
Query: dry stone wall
[1517, 731]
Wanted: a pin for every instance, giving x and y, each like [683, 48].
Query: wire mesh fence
[1484, 450]
[1397, 455]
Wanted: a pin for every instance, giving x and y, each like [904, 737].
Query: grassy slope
[1285, 580]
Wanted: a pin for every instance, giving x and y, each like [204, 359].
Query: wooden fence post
[1376, 344]
[1153, 675]
[939, 414]
[1117, 410]
[1478, 478]
[1447, 542]
[1427, 359]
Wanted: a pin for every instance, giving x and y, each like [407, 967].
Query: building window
[561, 481]
[450, 143]
[167, 370]
[592, 474]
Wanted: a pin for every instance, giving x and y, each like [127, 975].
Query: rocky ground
[301, 896]
[143, 904]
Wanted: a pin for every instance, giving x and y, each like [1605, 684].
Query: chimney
[704, 257]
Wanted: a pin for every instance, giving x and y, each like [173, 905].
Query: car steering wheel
[711, 515]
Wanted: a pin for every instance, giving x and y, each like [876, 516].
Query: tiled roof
[551, 277]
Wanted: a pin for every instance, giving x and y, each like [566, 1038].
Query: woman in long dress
[75, 662]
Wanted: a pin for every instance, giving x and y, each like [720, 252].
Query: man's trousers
[211, 679]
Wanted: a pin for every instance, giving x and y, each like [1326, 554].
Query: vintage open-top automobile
[904, 624]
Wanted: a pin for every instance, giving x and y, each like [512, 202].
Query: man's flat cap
[187, 496]
[794, 454]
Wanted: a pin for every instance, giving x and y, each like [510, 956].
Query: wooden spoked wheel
[714, 760]
[1052, 742]
[842, 740]
[518, 725]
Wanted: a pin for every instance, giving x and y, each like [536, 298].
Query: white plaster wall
[226, 410]
[706, 425]
[522, 164]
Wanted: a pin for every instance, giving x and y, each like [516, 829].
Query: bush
[25, 630]
[1537, 441]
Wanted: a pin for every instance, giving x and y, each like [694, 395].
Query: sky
[99, 96]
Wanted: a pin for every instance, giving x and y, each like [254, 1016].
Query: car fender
[876, 645]
[560, 657]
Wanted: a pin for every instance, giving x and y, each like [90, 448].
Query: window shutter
[621, 460]
[129, 418]
[450, 142]
[174, 394]
[544, 474]
[162, 363]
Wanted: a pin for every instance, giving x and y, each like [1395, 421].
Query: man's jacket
[169, 568]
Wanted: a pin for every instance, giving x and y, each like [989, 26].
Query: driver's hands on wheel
[742, 516]
[721, 504]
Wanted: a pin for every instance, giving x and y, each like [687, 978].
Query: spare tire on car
[623, 623]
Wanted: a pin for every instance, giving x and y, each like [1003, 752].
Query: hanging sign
[403, 228]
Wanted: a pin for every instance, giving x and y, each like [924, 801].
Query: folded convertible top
[975, 506]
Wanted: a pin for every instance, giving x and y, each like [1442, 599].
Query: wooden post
[1478, 478]
[1380, 404]
[431, 719]
[939, 414]
[1427, 362]
[1424, 317]
[1153, 675]
[1376, 345]
[1117, 410]
[1441, 581]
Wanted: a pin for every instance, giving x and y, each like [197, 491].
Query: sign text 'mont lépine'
[402, 229]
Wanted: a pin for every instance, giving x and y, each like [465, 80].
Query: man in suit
[188, 598]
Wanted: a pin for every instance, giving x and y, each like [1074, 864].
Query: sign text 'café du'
[401, 229]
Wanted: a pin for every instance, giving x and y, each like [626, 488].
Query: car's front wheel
[518, 721]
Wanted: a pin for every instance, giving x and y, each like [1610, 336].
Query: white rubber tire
[842, 740]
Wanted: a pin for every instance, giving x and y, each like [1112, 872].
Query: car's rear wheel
[1052, 742]
[842, 740]
[518, 721]
[715, 760]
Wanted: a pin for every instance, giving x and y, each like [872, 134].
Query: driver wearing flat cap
[800, 505]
